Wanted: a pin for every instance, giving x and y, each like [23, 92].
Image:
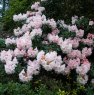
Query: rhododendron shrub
[43, 43]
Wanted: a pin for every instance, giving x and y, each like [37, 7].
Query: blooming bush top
[67, 37]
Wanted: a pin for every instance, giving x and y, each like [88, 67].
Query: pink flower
[66, 46]
[31, 52]
[41, 9]
[53, 38]
[60, 41]
[19, 53]
[90, 36]
[73, 63]
[52, 23]
[35, 6]
[65, 59]
[10, 66]
[86, 51]
[74, 54]
[9, 41]
[73, 28]
[45, 42]
[6, 55]
[84, 68]
[33, 67]
[19, 17]
[88, 42]
[36, 21]
[23, 42]
[75, 43]
[24, 76]
[24, 28]
[55, 31]
[80, 33]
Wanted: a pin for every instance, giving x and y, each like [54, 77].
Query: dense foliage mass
[47, 56]
[68, 8]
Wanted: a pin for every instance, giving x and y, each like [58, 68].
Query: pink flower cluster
[89, 40]
[75, 59]
[65, 45]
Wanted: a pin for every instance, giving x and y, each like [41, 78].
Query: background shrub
[15, 7]
[65, 9]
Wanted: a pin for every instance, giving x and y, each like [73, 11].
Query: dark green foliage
[65, 33]
[51, 47]
[65, 9]
[90, 89]
[46, 29]
[43, 86]
[2, 43]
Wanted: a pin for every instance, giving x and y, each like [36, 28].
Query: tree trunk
[4, 5]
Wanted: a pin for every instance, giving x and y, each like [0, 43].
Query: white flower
[80, 33]
[53, 38]
[66, 71]
[43, 18]
[66, 46]
[43, 0]
[6, 55]
[9, 69]
[36, 21]
[62, 24]
[41, 9]
[19, 53]
[23, 42]
[83, 69]
[20, 17]
[52, 23]
[32, 35]
[25, 28]
[35, 6]
[91, 23]
[47, 67]
[33, 67]
[73, 28]
[10, 66]
[74, 19]
[15, 61]
[24, 77]
[50, 56]
[40, 56]
[15, 17]
[51, 61]
[35, 32]
[32, 53]
[9, 41]
[60, 68]
[17, 31]
[82, 79]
